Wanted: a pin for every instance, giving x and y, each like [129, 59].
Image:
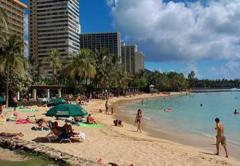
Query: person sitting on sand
[91, 120]
[220, 138]
[118, 123]
[235, 112]
[11, 135]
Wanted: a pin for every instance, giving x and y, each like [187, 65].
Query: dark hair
[139, 110]
[217, 120]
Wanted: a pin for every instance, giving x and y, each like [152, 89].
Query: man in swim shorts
[220, 138]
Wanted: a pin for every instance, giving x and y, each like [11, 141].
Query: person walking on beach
[138, 120]
[106, 106]
[220, 138]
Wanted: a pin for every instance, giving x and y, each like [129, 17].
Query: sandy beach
[122, 145]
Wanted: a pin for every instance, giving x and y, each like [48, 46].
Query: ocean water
[189, 117]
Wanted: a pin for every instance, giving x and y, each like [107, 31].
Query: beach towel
[81, 124]
[27, 110]
[20, 107]
[22, 121]
[11, 118]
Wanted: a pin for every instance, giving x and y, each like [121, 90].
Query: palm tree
[56, 63]
[104, 67]
[119, 79]
[81, 66]
[11, 58]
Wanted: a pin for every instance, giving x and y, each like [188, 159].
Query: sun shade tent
[66, 110]
[55, 102]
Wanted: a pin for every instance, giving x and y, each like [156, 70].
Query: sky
[177, 35]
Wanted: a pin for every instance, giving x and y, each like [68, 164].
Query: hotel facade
[96, 41]
[132, 59]
[15, 15]
[53, 24]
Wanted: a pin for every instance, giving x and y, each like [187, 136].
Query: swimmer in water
[201, 105]
[236, 112]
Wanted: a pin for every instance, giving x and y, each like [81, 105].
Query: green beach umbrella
[66, 110]
[2, 101]
[55, 102]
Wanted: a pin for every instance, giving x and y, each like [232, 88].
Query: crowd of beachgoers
[97, 133]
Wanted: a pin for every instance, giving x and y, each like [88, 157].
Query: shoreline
[190, 139]
[122, 145]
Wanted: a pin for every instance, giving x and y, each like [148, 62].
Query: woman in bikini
[138, 120]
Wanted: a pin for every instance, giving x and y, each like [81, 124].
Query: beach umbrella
[2, 101]
[55, 102]
[66, 110]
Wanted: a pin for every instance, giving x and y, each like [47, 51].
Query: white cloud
[176, 31]
[111, 3]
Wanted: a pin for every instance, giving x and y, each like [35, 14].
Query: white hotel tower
[53, 24]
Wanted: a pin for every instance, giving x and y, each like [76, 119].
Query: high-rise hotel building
[102, 40]
[53, 24]
[14, 10]
[132, 59]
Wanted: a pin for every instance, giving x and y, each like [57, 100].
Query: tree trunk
[86, 93]
[7, 97]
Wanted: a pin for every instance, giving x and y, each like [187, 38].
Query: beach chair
[52, 137]
[64, 138]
